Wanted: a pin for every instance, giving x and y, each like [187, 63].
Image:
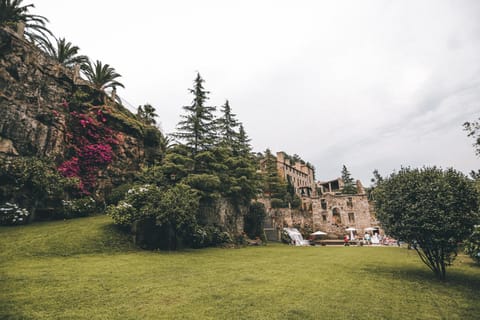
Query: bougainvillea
[90, 142]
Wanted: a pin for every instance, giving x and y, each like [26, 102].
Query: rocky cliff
[37, 98]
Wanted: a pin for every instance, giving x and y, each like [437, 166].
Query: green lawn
[83, 269]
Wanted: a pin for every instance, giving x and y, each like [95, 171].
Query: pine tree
[197, 129]
[349, 186]
[226, 125]
[242, 145]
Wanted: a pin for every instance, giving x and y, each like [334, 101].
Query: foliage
[101, 76]
[377, 178]
[147, 114]
[472, 245]
[226, 125]
[349, 186]
[210, 236]
[13, 12]
[32, 182]
[82, 207]
[129, 210]
[175, 212]
[473, 129]
[197, 129]
[215, 158]
[118, 193]
[172, 210]
[90, 147]
[65, 52]
[12, 214]
[254, 220]
[429, 208]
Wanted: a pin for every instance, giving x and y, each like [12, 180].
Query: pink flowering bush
[90, 142]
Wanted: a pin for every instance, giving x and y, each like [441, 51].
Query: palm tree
[147, 114]
[65, 53]
[13, 12]
[101, 76]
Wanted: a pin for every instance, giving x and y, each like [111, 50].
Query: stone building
[298, 173]
[324, 206]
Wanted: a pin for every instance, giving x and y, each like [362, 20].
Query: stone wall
[333, 213]
[33, 88]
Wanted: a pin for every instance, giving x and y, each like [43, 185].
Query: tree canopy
[429, 208]
[349, 186]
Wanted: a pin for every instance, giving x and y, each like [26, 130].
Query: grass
[85, 269]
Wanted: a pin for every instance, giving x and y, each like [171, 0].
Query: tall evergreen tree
[226, 125]
[242, 145]
[197, 129]
[349, 186]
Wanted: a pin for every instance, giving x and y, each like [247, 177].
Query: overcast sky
[368, 84]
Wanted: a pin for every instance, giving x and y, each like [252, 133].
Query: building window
[324, 218]
[351, 217]
[323, 202]
[350, 202]
[336, 216]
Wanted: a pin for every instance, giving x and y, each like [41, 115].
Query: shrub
[128, 210]
[82, 207]
[12, 214]
[117, 194]
[210, 236]
[472, 245]
[123, 214]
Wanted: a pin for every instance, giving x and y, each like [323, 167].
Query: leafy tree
[472, 245]
[147, 114]
[431, 209]
[101, 76]
[377, 178]
[349, 186]
[197, 129]
[65, 53]
[473, 129]
[12, 12]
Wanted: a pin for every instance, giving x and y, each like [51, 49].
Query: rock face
[34, 90]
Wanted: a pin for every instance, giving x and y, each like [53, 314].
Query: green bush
[82, 207]
[117, 194]
[128, 210]
[210, 236]
[12, 214]
[472, 245]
